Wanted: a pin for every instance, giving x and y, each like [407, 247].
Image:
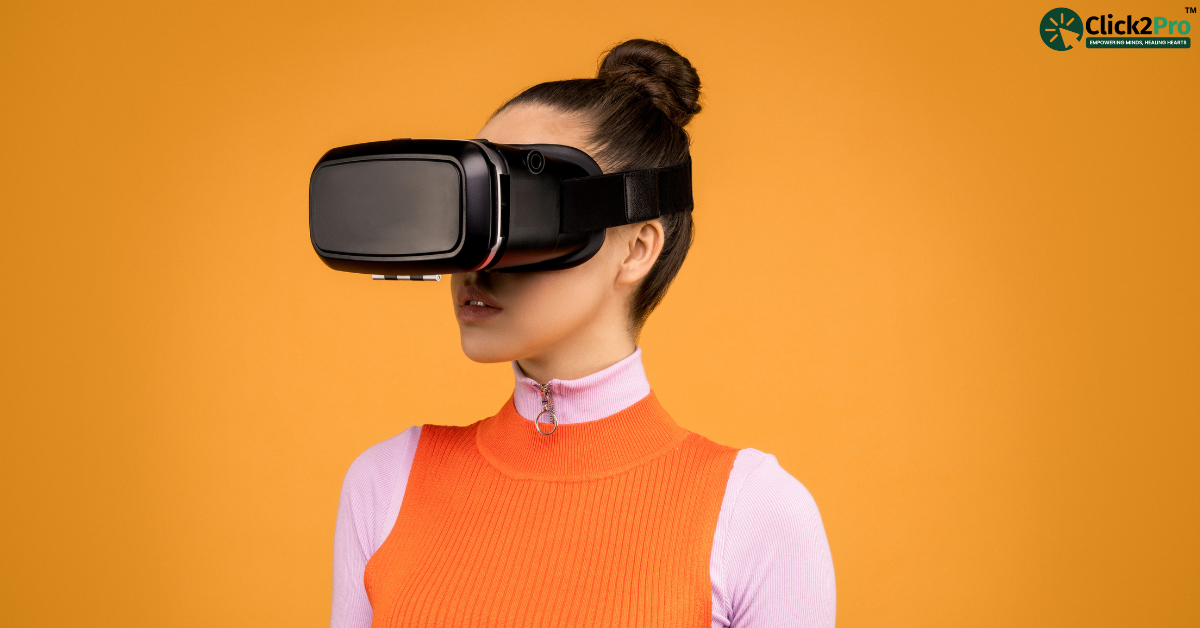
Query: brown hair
[638, 104]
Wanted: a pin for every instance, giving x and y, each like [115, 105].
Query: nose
[481, 278]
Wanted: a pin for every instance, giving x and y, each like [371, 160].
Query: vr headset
[417, 208]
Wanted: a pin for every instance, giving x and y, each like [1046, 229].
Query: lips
[474, 305]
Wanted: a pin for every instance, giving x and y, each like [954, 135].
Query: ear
[644, 244]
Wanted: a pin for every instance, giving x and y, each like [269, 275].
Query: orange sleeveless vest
[603, 523]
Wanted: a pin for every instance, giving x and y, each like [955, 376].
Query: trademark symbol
[1189, 9]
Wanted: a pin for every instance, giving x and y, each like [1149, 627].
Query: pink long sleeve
[370, 502]
[770, 565]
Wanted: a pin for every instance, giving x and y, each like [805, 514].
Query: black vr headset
[414, 209]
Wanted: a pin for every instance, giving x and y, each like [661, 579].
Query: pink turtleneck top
[770, 564]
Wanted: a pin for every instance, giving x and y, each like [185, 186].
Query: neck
[578, 357]
[589, 398]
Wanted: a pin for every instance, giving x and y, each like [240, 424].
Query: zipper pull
[547, 408]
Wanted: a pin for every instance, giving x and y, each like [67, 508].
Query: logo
[1063, 29]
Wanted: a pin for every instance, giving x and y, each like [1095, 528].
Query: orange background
[948, 276]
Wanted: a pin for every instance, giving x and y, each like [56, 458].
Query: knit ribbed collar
[578, 451]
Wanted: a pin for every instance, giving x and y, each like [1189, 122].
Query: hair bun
[664, 76]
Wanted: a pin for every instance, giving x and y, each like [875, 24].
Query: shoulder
[375, 481]
[377, 477]
[761, 488]
[724, 454]
[378, 464]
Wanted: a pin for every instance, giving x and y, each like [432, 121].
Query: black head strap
[622, 198]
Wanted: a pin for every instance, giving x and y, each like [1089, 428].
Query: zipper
[547, 408]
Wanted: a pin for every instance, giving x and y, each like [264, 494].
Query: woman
[581, 502]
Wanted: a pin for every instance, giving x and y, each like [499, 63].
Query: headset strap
[623, 198]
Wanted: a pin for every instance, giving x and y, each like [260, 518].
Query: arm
[367, 510]
[771, 561]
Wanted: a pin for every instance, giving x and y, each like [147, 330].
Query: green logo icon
[1062, 29]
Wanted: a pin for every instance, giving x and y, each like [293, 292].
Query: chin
[483, 348]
